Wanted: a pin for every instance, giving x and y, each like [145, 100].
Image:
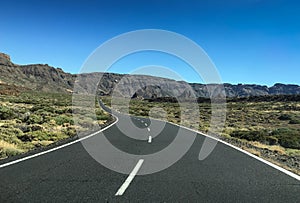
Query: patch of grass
[275, 148]
[8, 149]
[293, 152]
[252, 151]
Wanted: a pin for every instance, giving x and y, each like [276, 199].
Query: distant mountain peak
[5, 59]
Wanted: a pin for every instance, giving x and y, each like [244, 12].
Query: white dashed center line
[150, 139]
[148, 129]
[130, 178]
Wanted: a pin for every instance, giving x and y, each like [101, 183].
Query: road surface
[70, 174]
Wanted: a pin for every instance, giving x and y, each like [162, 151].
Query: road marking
[146, 124]
[283, 170]
[129, 178]
[142, 121]
[148, 129]
[150, 139]
[57, 148]
[289, 173]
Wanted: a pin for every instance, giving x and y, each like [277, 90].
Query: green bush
[102, 117]
[43, 108]
[64, 110]
[6, 113]
[260, 136]
[60, 120]
[35, 119]
[287, 137]
[39, 135]
[56, 136]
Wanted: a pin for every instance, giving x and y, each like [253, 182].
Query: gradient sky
[250, 41]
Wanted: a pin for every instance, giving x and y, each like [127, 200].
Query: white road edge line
[150, 139]
[283, 170]
[56, 148]
[129, 178]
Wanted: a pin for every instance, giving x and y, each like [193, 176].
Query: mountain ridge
[43, 77]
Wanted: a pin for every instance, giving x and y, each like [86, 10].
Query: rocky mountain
[36, 76]
[43, 77]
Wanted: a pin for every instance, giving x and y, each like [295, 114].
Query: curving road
[70, 174]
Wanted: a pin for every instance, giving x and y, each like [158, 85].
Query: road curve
[71, 174]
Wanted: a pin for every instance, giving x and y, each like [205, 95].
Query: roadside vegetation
[35, 119]
[29, 120]
[264, 123]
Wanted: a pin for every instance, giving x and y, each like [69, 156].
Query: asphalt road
[70, 174]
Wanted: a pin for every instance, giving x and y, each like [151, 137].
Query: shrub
[35, 119]
[9, 134]
[38, 135]
[63, 110]
[285, 117]
[102, 117]
[7, 152]
[60, 120]
[42, 108]
[272, 140]
[294, 121]
[288, 138]
[290, 142]
[35, 127]
[70, 132]
[260, 136]
[6, 113]
[25, 137]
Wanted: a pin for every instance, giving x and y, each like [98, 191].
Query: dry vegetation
[273, 125]
[35, 119]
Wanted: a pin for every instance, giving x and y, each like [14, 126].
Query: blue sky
[250, 41]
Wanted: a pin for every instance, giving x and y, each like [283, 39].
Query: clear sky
[250, 41]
